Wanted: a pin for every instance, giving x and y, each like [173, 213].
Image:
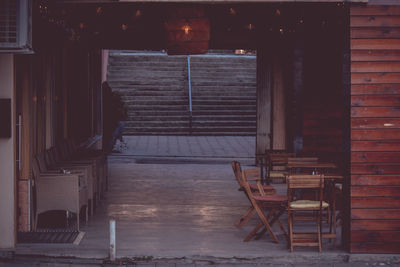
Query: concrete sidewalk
[190, 146]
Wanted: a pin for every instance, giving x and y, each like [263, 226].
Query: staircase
[223, 94]
[154, 87]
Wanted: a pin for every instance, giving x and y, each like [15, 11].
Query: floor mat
[72, 237]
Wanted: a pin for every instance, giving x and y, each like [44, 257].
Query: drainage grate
[50, 237]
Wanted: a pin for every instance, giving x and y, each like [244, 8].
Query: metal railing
[189, 95]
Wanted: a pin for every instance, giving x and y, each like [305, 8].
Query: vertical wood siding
[375, 129]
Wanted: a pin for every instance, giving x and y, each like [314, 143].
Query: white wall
[7, 164]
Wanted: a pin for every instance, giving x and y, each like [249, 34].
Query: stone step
[149, 87]
[166, 124]
[147, 58]
[223, 97]
[224, 129]
[196, 102]
[157, 103]
[145, 117]
[224, 107]
[145, 73]
[224, 124]
[157, 107]
[223, 112]
[223, 83]
[148, 65]
[158, 113]
[127, 98]
[224, 118]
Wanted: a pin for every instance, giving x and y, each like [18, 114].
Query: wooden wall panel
[375, 129]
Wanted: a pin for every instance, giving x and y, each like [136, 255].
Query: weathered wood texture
[264, 87]
[375, 129]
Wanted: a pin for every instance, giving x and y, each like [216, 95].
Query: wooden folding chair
[314, 208]
[276, 205]
[265, 189]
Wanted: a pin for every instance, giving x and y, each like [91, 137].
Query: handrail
[189, 95]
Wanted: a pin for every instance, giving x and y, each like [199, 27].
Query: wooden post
[278, 104]
[264, 87]
[112, 240]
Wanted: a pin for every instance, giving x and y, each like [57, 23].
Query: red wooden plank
[370, 78]
[374, 67]
[375, 191]
[375, 55]
[371, 214]
[375, 157]
[375, 146]
[375, 112]
[374, 10]
[387, 134]
[375, 225]
[382, 247]
[375, 89]
[377, 101]
[377, 169]
[366, 180]
[373, 123]
[368, 236]
[374, 33]
[374, 21]
[379, 44]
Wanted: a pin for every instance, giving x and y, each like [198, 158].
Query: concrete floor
[171, 211]
[179, 210]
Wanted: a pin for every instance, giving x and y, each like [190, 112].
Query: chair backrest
[49, 157]
[278, 159]
[302, 160]
[305, 181]
[237, 170]
[253, 174]
[35, 169]
[41, 162]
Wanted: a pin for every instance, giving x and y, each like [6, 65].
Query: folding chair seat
[267, 190]
[275, 204]
[312, 207]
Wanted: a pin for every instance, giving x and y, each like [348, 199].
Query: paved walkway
[191, 146]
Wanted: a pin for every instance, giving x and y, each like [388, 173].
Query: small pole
[112, 240]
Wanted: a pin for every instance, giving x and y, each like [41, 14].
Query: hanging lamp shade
[188, 32]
